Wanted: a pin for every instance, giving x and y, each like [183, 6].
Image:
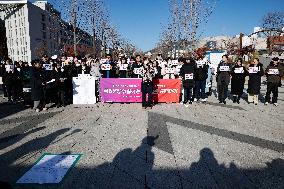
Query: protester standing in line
[281, 63]
[37, 83]
[254, 84]
[147, 84]
[123, 68]
[187, 73]
[111, 72]
[238, 74]
[201, 75]
[10, 83]
[274, 72]
[137, 64]
[223, 78]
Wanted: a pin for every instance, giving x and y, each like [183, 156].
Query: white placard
[54, 57]
[174, 62]
[170, 70]
[188, 76]
[9, 68]
[1, 81]
[50, 169]
[27, 90]
[138, 71]
[239, 70]
[103, 61]
[224, 68]
[123, 66]
[47, 66]
[70, 59]
[200, 64]
[253, 69]
[84, 90]
[273, 72]
[84, 75]
[105, 67]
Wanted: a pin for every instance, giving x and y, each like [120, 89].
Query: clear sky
[141, 20]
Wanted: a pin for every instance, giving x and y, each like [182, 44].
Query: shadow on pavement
[135, 169]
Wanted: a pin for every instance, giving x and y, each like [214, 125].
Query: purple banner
[120, 90]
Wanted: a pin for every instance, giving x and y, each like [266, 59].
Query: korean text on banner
[167, 90]
[120, 90]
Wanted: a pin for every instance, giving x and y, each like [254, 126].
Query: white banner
[224, 68]
[47, 67]
[239, 70]
[84, 90]
[188, 76]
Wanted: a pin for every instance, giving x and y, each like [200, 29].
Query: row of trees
[186, 25]
[93, 17]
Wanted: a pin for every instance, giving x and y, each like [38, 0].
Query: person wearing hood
[274, 72]
[187, 73]
[238, 74]
[223, 79]
[254, 84]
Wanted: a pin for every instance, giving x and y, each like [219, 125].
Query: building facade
[34, 29]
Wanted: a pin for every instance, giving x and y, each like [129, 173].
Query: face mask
[19, 69]
[77, 65]
[62, 69]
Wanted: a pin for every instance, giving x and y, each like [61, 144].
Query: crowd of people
[49, 80]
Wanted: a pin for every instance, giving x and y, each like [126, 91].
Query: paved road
[122, 146]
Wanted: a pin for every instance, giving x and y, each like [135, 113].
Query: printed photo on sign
[273, 71]
[138, 71]
[188, 76]
[253, 69]
[239, 70]
[47, 66]
[105, 67]
[170, 70]
[123, 66]
[224, 68]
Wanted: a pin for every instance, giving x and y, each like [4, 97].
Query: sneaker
[266, 103]
[195, 100]
[224, 102]
[186, 105]
[190, 102]
[275, 104]
[37, 110]
[44, 109]
[256, 104]
[204, 100]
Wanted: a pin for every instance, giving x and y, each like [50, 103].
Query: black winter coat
[223, 76]
[187, 69]
[254, 83]
[37, 79]
[238, 80]
[201, 74]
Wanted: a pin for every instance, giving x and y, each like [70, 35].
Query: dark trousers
[147, 88]
[222, 91]
[200, 89]
[187, 94]
[60, 100]
[272, 87]
[10, 92]
[4, 90]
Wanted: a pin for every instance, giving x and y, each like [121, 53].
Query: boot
[234, 99]
[238, 100]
